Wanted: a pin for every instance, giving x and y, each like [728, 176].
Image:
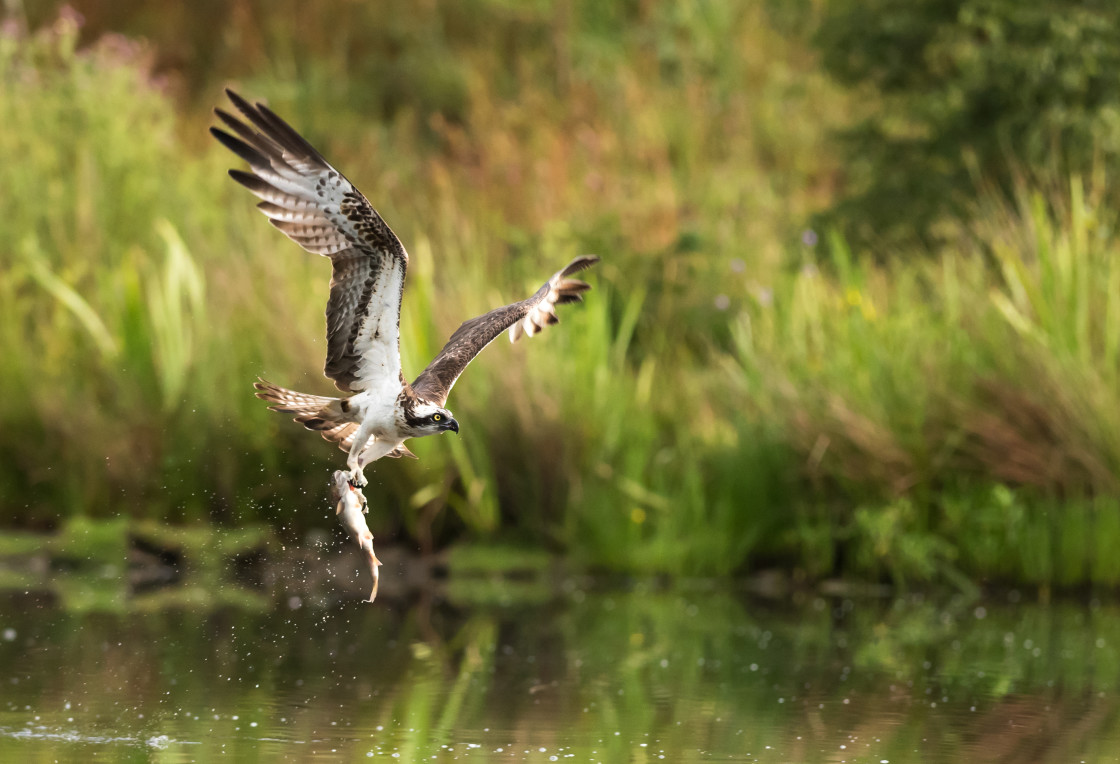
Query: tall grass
[735, 393]
[120, 378]
[953, 416]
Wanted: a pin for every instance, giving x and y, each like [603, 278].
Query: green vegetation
[969, 89]
[736, 393]
[963, 410]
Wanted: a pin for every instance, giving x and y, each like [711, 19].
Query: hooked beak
[452, 425]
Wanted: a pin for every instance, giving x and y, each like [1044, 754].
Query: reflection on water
[635, 676]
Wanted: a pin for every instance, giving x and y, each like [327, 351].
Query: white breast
[377, 407]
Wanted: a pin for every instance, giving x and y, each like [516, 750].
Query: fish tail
[375, 568]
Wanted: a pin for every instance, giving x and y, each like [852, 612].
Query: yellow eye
[437, 417]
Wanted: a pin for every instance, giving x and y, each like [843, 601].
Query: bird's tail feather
[315, 412]
[320, 413]
[289, 401]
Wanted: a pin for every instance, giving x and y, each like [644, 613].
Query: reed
[964, 413]
[735, 393]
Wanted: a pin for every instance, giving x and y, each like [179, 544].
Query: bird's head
[429, 419]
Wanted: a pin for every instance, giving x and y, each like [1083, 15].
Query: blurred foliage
[539, 164]
[104, 305]
[965, 414]
[736, 393]
[966, 90]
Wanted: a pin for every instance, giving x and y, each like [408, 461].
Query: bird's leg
[353, 459]
[374, 450]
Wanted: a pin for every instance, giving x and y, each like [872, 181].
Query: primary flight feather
[319, 209]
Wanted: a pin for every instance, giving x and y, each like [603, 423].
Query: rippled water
[643, 675]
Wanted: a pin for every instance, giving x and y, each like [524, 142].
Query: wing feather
[529, 316]
[319, 209]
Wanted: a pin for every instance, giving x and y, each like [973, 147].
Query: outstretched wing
[528, 316]
[320, 210]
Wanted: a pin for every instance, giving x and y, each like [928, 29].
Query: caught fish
[351, 508]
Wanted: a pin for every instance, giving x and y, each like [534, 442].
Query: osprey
[319, 209]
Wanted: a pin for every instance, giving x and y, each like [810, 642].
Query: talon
[357, 479]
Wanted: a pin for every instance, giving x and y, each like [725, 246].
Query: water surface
[637, 675]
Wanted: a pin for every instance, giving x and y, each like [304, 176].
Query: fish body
[351, 508]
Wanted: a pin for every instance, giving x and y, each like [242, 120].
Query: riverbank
[121, 567]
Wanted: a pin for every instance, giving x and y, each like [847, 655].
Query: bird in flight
[319, 209]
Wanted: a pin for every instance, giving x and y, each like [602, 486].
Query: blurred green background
[858, 313]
